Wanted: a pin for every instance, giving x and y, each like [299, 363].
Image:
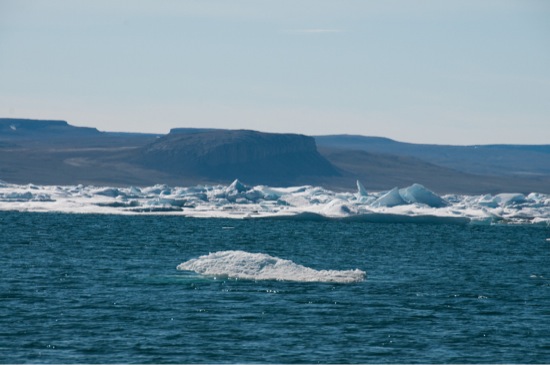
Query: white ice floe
[410, 204]
[259, 266]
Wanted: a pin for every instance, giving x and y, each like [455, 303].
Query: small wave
[402, 218]
[259, 266]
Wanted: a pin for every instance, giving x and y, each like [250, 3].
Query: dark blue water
[100, 288]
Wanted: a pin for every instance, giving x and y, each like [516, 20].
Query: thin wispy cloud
[314, 31]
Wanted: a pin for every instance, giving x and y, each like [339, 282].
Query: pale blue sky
[453, 72]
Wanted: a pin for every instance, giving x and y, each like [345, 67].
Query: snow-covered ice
[259, 266]
[414, 203]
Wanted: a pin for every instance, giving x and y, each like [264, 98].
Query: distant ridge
[493, 160]
[53, 152]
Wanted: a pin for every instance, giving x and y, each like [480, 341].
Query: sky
[447, 72]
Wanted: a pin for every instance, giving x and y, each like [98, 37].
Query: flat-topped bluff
[224, 154]
[31, 128]
[216, 147]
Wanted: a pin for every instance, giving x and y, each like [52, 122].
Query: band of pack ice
[259, 266]
[410, 204]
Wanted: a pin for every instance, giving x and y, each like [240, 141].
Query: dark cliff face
[259, 158]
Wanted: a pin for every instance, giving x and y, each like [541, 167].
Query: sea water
[88, 288]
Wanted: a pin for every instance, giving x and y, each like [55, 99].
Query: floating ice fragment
[269, 193]
[259, 266]
[361, 191]
[158, 189]
[509, 199]
[487, 200]
[417, 193]
[503, 200]
[18, 196]
[236, 186]
[336, 207]
[391, 199]
[111, 192]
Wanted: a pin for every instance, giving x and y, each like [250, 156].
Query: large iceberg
[414, 203]
[390, 199]
[417, 193]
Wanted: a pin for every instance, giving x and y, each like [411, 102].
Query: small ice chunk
[361, 191]
[236, 186]
[336, 207]
[17, 196]
[110, 192]
[417, 193]
[391, 199]
[487, 200]
[509, 199]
